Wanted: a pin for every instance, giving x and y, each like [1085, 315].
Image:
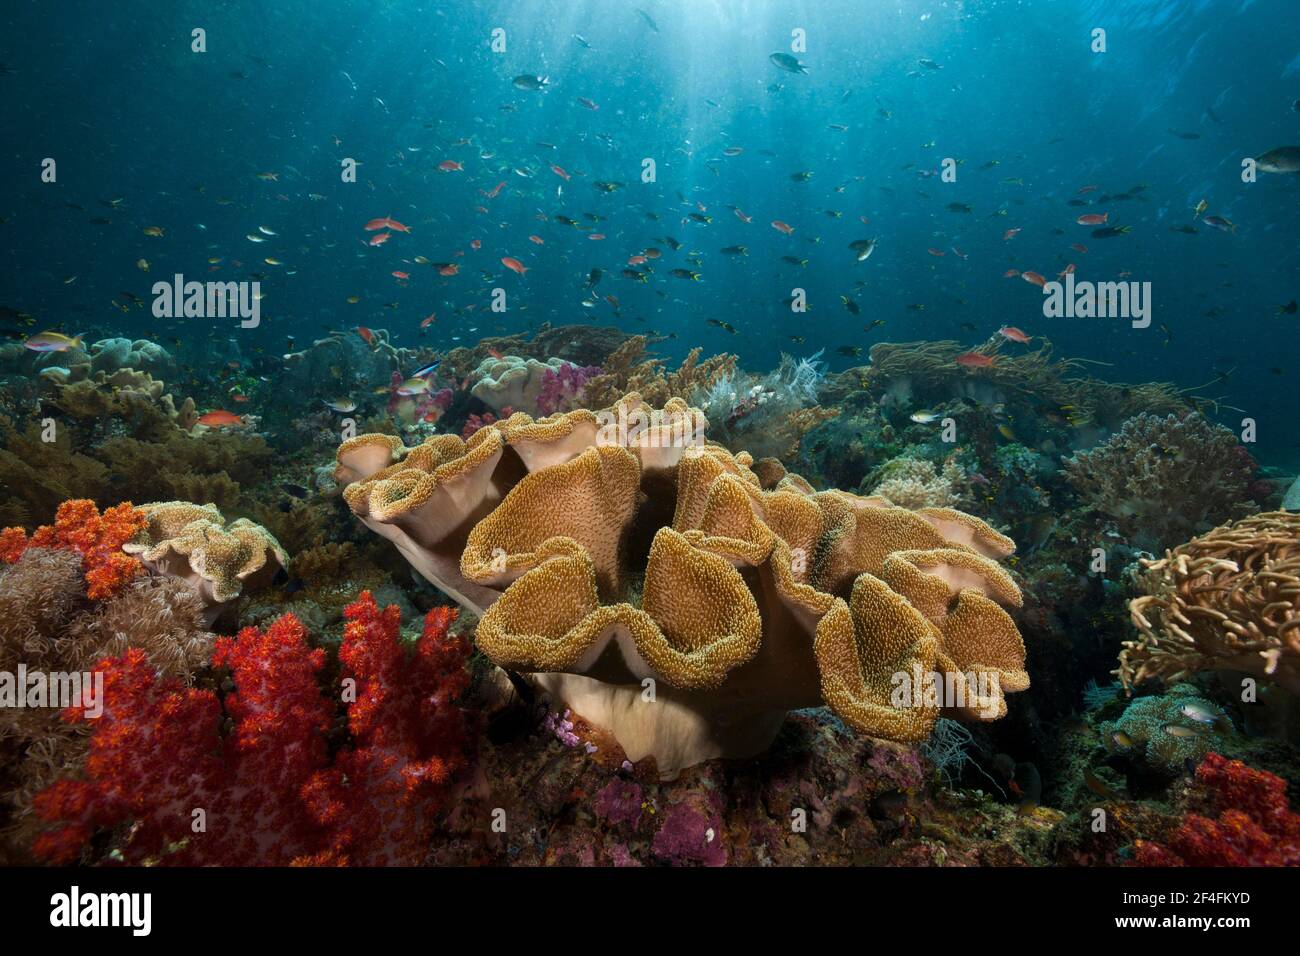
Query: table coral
[1228, 600]
[601, 561]
[270, 790]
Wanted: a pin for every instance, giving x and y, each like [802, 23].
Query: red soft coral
[1255, 826]
[380, 796]
[269, 792]
[98, 538]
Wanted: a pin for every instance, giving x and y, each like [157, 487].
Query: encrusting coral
[1228, 600]
[646, 579]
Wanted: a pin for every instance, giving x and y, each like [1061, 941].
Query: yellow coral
[604, 558]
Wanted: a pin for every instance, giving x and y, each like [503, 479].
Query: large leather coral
[645, 578]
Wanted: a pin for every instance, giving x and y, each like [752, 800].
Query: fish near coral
[749, 603]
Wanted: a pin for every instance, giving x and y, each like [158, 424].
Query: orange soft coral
[98, 538]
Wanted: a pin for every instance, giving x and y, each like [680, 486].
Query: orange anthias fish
[537, 239]
[450, 166]
[1093, 219]
[1009, 234]
[974, 360]
[596, 236]
[560, 171]
[447, 268]
[396, 226]
[366, 335]
[513, 264]
[1011, 273]
[937, 253]
[779, 226]
[401, 275]
[220, 418]
[495, 354]
[52, 342]
[495, 190]
[373, 224]
[379, 238]
[1034, 278]
[475, 244]
[428, 320]
[1014, 334]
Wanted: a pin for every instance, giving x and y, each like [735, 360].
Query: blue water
[115, 95]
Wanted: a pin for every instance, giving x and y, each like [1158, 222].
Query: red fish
[475, 244]
[396, 226]
[495, 354]
[428, 320]
[779, 226]
[495, 190]
[219, 418]
[636, 260]
[559, 171]
[366, 335]
[450, 166]
[1068, 270]
[374, 224]
[1086, 189]
[596, 236]
[974, 360]
[1009, 234]
[401, 275]
[537, 239]
[1014, 334]
[447, 268]
[379, 238]
[1093, 219]
[1011, 273]
[937, 253]
[1034, 278]
[513, 264]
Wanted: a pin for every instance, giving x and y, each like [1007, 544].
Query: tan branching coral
[648, 581]
[917, 483]
[193, 544]
[627, 369]
[1228, 600]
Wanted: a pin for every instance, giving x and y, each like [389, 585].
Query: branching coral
[627, 369]
[1228, 600]
[1255, 825]
[269, 792]
[36, 475]
[603, 557]
[1162, 479]
[916, 483]
[78, 526]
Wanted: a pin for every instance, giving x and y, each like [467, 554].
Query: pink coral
[563, 387]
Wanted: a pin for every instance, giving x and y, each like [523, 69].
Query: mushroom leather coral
[194, 544]
[647, 580]
[271, 790]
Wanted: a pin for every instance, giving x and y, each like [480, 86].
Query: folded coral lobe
[648, 581]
